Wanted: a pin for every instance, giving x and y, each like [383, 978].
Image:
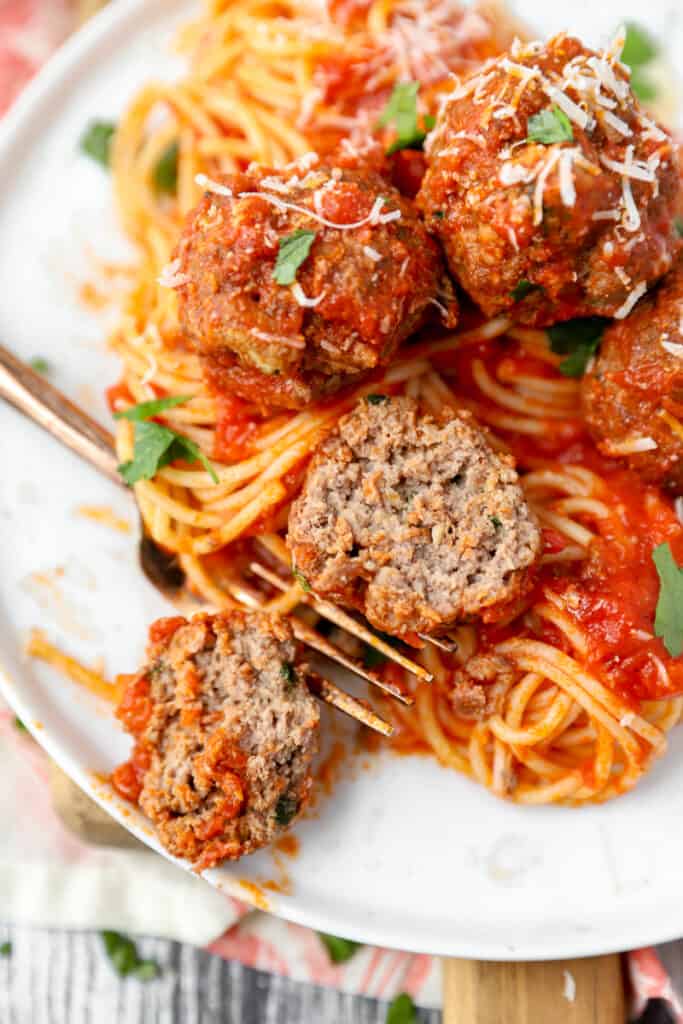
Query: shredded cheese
[630, 301]
[170, 276]
[277, 339]
[209, 185]
[372, 254]
[673, 348]
[303, 299]
[540, 185]
[569, 990]
[631, 446]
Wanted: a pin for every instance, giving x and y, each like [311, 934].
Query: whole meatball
[632, 397]
[364, 278]
[553, 194]
[225, 731]
[412, 519]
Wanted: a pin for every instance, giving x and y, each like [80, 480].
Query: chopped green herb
[401, 112]
[578, 339]
[166, 170]
[669, 613]
[402, 1010]
[96, 141]
[124, 957]
[339, 950]
[496, 522]
[6, 949]
[376, 399]
[639, 48]
[678, 226]
[288, 673]
[147, 410]
[549, 126]
[156, 446]
[301, 580]
[639, 51]
[439, 214]
[522, 289]
[19, 725]
[293, 250]
[39, 364]
[285, 809]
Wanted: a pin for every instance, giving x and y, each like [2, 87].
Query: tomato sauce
[236, 429]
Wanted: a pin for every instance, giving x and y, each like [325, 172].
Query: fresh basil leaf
[96, 141]
[401, 112]
[166, 170]
[293, 250]
[39, 364]
[402, 1010]
[669, 613]
[578, 339]
[549, 126]
[639, 48]
[285, 810]
[522, 289]
[148, 410]
[339, 950]
[124, 958]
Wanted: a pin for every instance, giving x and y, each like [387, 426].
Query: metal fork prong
[449, 646]
[331, 694]
[346, 622]
[309, 636]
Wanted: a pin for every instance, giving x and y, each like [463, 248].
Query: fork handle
[36, 398]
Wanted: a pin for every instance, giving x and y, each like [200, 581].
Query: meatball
[414, 520]
[632, 396]
[366, 283]
[553, 194]
[225, 732]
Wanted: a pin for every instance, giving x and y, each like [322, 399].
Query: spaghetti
[268, 82]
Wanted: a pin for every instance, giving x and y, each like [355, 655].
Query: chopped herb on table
[669, 613]
[6, 949]
[125, 960]
[166, 170]
[19, 725]
[39, 364]
[156, 446]
[578, 340]
[550, 126]
[401, 112]
[96, 141]
[339, 950]
[639, 51]
[293, 250]
[402, 1010]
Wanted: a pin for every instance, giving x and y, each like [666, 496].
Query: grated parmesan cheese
[372, 254]
[170, 276]
[277, 339]
[678, 506]
[209, 185]
[673, 348]
[631, 446]
[540, 184]
[628, 305]
[303, 299]
[569, 990]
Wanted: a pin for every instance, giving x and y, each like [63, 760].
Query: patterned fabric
[68, 884]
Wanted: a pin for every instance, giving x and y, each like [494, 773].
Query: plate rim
[107, 30]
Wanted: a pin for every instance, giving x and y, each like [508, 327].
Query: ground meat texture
[551, 230]
[225, 732]
[358, 294]
[413, 520]
[633, 394]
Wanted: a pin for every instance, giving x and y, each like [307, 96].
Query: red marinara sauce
[235, 429]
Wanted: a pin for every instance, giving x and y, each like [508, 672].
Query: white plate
[407, 854]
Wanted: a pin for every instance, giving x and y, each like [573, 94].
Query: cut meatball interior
[414, 520]
[225, 731]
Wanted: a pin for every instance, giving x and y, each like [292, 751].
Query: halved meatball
[225, 731]
[553, 193]
[362, 277]
[632, 397]
[414, 520]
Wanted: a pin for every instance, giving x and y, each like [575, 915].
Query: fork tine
[346, 622]
[331, 694]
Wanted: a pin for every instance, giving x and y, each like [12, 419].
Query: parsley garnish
[678, 226]
[401, 112]
[292, 252]
[402, 1010]
[6, 949]
[125, 959]
[439, 214]
[39, 364]
[549, 126]
[96, 141]
[157, 446]
[166, 170]
[579, 340]
[669, 613]
[495, 522]
[288, 673]
[522, 289]
[339, 950]
[19, 725]
[301, 580]
[285, 809]
[639, 51]
[376, 399]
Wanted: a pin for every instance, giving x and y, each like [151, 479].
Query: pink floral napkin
[49, 878]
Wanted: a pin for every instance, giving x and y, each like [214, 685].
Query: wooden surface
[477, 992]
